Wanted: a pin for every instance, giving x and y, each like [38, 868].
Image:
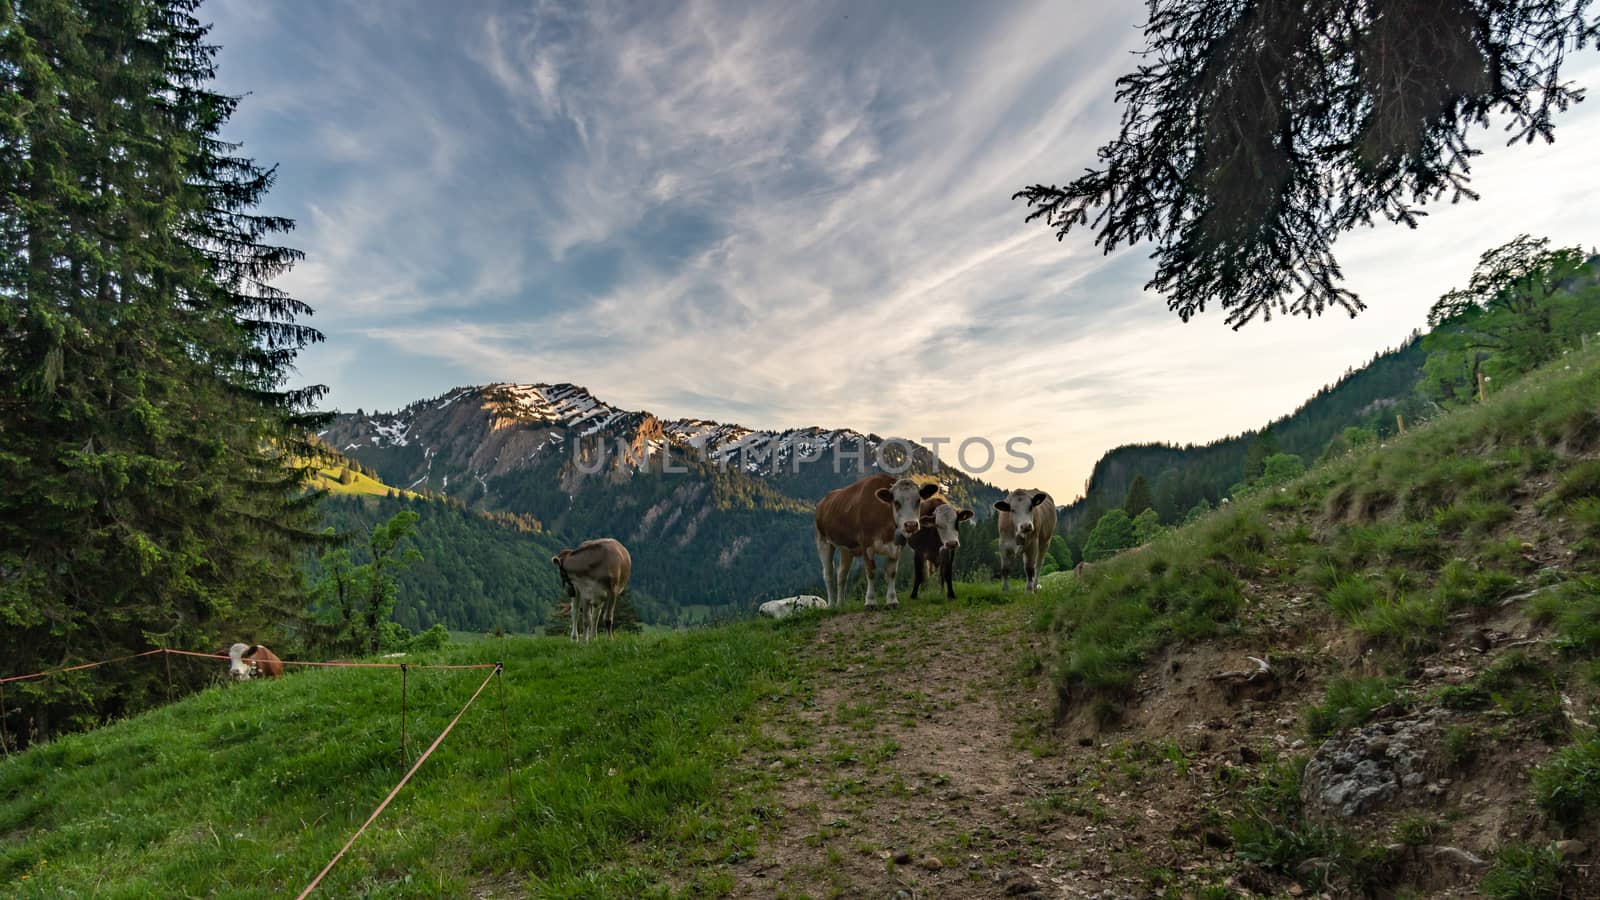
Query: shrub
[1462, 584]
[1523, 872]
[1411, 623]
[1580, 481]
[1567, 786]
[1348, 703]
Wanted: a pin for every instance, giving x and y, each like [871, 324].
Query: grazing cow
[936, 543]
[595, 574]
[1027, 522]
[253, 661]
[873, 517]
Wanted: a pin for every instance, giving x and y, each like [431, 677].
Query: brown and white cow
[253, 661]
[873, 517]
[595, 573]
[936, 543]
[1027, 521]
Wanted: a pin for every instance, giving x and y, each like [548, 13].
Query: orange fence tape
[288, 662]
[91, 665]
[339, 665]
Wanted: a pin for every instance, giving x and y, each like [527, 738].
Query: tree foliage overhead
[1255, 132]
[147, 438]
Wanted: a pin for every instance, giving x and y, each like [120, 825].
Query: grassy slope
[249, 790]
[362, 485]
[1400, 558]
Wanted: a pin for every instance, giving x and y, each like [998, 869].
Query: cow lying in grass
[594, 574]
[253, 661]
[936, 543]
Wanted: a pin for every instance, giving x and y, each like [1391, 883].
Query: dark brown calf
[936, 543]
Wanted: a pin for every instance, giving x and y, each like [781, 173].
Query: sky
[786, 215]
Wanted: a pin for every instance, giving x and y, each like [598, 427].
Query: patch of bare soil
[922, 761]
[915, 770]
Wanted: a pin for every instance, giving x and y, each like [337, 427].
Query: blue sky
[785, 215]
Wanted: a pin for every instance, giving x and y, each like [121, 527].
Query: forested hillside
[1181, 476]
[1526, 303]
[477, 572]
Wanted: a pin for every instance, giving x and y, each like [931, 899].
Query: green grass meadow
[248, 790]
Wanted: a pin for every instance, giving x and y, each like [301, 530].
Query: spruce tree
[1139, 498]
[1255, 458]
[1255, 133]
[148, 440]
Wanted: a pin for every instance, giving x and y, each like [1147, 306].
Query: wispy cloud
[781, 214]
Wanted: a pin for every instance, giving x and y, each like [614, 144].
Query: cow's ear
[963, 514]
[927, 522]
[1002, 506]
[1040, 498]
[884, 495]
[556, 561]
[928, 490]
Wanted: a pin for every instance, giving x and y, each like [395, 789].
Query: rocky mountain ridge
[720, 513]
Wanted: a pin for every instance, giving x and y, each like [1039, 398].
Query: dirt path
[907, 772]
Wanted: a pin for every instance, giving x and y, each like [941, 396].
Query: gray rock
[788, 606]
[1457, 857]
[1360, 770]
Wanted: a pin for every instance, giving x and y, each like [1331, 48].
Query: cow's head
[1020, 504]
[944, 519]
[905, 497]
[239, 667]
[566, 582]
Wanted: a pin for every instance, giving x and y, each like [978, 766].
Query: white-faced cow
[248, 661]
[873, 517]
[936, 543]
[594, 574]
[1027, 521]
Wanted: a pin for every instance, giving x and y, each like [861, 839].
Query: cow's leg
[575, 612]
[842, 575]
[870, 561]
[916, 574]
[1031, 562]
[891, 574]
[830, 576]
[947, 571]
[1005, 571]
